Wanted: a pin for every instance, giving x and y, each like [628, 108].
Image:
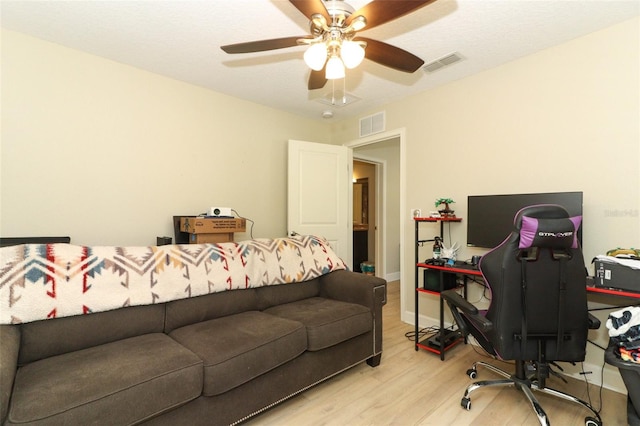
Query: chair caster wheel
[592, 421]
[472, 373]
[466, 403]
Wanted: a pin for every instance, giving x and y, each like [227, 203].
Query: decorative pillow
[552, 233]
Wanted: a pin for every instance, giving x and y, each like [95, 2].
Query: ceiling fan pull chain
[333, 92]
[344, 90]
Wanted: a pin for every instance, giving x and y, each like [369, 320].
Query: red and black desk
[466, 272]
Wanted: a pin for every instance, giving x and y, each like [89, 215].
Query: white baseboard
[423, 320]
[394, 276]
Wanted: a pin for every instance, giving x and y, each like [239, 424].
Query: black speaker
[432, 280]
[163, 241]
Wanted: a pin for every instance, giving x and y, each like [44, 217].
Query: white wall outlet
[416, 213]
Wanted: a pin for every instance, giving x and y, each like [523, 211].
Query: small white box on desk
[220, 212]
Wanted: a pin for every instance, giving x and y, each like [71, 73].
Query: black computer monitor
[490, 217]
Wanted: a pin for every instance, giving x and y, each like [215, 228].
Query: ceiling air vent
[372, 124]
[442, 62]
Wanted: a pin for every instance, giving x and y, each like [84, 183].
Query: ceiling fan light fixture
[358, 23]
[318, 20]
[335, 68]
[315, 56]
[351, 53]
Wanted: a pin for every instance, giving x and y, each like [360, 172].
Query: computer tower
[432, 280]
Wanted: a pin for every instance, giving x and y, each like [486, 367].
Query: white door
[319, 194]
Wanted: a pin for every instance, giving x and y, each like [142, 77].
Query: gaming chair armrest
[594, 323]
[459, 304]
[451, 296]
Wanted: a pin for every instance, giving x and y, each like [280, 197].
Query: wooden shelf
[613, 292]
[437, 219]
[452, 269]
[432, 292]
[427, 347]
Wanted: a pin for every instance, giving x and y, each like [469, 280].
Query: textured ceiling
[182, 39]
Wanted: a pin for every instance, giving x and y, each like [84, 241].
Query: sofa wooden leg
[374, 361]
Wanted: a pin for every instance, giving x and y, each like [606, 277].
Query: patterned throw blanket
[41, 281]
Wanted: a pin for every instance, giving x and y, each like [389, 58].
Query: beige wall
[563, 119]
[107, 153]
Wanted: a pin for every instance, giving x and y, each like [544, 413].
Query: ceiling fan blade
[309, 7]
[379, 12]
[390, 56]
[317, 79]
[262, 45]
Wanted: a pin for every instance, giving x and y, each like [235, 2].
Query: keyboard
[465, 265]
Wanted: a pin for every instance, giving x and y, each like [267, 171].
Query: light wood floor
[416, 388]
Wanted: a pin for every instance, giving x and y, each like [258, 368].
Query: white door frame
[381, 137]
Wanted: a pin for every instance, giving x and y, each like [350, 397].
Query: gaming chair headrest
[547, 225]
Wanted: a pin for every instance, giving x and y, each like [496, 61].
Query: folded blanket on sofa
[40, 281]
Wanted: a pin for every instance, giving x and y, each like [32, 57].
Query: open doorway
[380, 162]
[364, 215]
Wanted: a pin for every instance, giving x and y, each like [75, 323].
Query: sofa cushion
[273, 295]
[124, 381]
[328, 321]
[46, 338]
[202, 308]
[237, 348]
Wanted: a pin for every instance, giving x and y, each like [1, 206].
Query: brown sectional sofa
[208, 360]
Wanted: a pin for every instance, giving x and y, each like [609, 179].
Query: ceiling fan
[333, 42]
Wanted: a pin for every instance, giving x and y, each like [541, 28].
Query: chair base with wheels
[525, 384]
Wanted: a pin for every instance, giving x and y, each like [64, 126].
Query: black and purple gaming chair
[538, 311]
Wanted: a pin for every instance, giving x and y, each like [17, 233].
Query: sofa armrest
[10, 338]
[354, 287]
[362, 289]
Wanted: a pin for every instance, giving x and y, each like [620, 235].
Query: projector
[220, 212]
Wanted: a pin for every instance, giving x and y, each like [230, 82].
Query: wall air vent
[442, 62]
[372, 124]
